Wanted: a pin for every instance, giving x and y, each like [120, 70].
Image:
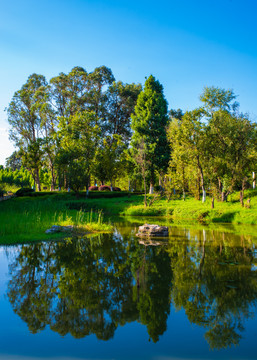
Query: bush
[202, 215]
[24, 192]
[93, 188]
[116, 189]
[1, 193]
[104, 188]
[140, 210]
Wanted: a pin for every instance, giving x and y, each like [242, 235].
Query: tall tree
[215, 98]
[78, 143]
[25, 121]
[189, 146]
[149, 123]
[14, 161]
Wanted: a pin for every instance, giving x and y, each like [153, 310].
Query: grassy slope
[190, 209]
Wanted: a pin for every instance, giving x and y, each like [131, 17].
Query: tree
[120, 103]
[149, 123]
[232, 148]
[78, 143]
[116, 130]
[14, 161]
[189, 146]
[25, 121]
[215, 98]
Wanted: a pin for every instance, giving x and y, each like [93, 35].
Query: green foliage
[85, 128]
[78, 141]
[215, 98]
[12, 180]
[149, 123]
[141, 210]
[14, 162]
[24, 192]
[27, 218]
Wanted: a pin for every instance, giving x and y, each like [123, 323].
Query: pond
[115, 296]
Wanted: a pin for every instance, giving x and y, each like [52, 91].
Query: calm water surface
[116, 296]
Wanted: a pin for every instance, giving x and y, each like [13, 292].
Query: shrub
[202, 215]
[140, 210]
[24, 192]
[93, 188]
[104, 188]
[116, 189]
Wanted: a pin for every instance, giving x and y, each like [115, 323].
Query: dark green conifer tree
[149, 124]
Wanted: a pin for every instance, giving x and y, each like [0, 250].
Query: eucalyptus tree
[99, 80]
[69, 92]
[14, 161]
[231, 141]
[75, 93]
[25, 122]
[116, 130]
[49, 122]
[215, 98]
[189, 145]
[149, 122]
[120, 103]
[232, 145]
[78, 141]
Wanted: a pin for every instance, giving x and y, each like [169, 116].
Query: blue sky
[185, 44]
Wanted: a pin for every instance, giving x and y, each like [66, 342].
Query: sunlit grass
[27, 219]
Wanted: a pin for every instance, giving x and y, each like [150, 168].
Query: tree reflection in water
[93, 285]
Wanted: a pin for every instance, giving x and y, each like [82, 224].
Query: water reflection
[93, 285]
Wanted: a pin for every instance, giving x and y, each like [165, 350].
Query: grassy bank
[27, 219]
[194, 210]
[179, 210]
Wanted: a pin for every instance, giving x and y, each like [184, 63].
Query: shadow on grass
[225, 218]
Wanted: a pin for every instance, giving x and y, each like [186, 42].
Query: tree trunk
[198, 188]
[202, 179]
[152, 177]
[53, 178]
[242, 198]
[145, 200]
[220, 189]
[37, 179]
[160, 183]
[212, 203]
[242, 193]
[65, 181]
[87, 188]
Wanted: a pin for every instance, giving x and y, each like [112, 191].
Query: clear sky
[185, 44]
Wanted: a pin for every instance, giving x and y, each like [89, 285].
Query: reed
[26, 219]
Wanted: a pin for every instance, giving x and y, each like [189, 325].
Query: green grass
[194, 210]
[26, 219]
